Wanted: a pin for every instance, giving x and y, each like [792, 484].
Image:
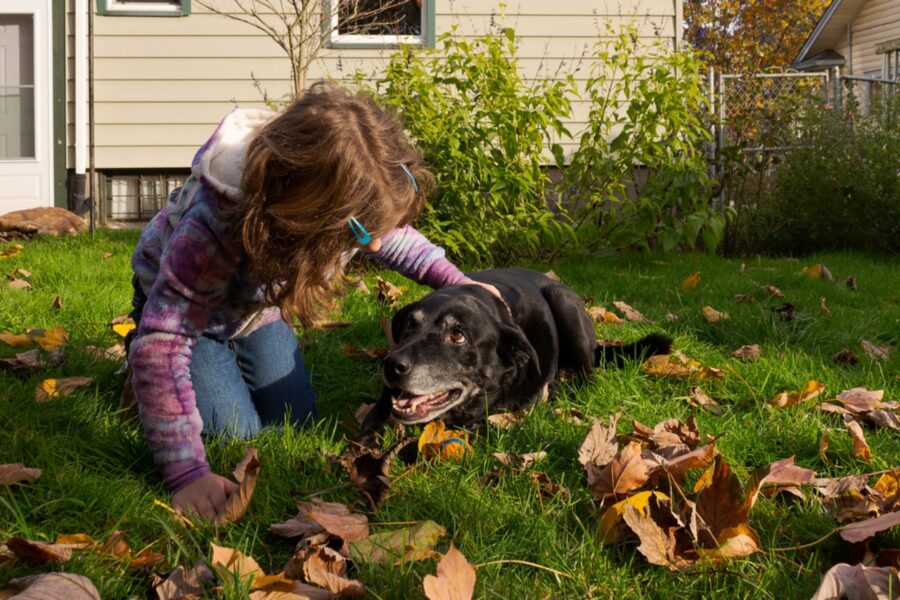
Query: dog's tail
[655, 343]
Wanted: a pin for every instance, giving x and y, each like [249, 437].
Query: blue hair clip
[411, 178]
[361, 234]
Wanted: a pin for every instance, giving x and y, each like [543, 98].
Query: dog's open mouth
[412, 408]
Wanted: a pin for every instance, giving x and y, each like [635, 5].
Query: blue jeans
[247, 383]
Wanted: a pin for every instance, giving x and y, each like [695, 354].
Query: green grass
[98, 476]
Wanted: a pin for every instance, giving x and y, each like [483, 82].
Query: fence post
[837, 91]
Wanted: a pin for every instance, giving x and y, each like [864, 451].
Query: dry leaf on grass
[183, 583]
[508, 420]
[455, 578]
[49, 389]
[115, 352]
[861, 448]
[399, 546]
[327, 568]
[368, 469]
[697, 397]
[823, 308]
[876, 351]
[11, 250]
[678, 365]
[851, 284]
[600, 445]
[318, 516]
[712, 315]
[245, 473]
[388, 292]
[519, 462]
[779, 473]
[858, 582]
[48, 339]
[691, 281]
[611, 529]
[812, 389]
[39, 553]
[749, 353]
[545, 486]
[663, 542]
[819, 271]
[231, 564]
[772, 290]
[354, 351]
[33, 359]
[845, 357]
[823, 446]
[601, 315]
[720, 501]
[630, 313]
[11, 474]
[863, 530]
[19, 284]
[785, 312]
[625, 473]
[54, 586]
[744, 299]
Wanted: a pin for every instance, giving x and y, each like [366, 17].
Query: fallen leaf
[678, 365]
[845, 357]
[601, 315]
[570, 415]
[106, 255]
[54, 586]
[122, 329]
[448, 444]
[11, 250]
[508, 420]
[749, 353]
[772, 290]
[785, 311]
[387, 291]
[57, 303]
[714, 316]
[48, 339]
[545, 486]
[11, 474]
[861, 448]
[184, 583]
[19, 284]
[295, 590]
[823, 446]
[600, 445]
[735, 542]
[611, 530]
[823, 308]
[519, 462]
[876, 351]
[858, 582]
[630, 313]
[115, 352]
[59, 388]
[819, 271]
[234, 564]
[318, 515]
[720, 502]
[455, 578]
[33, 359]
[851, 284]
[671, 317]
[368, 469]
[812, 389]
[625, 473]
[327, 568]
[697, 397]
[678, 466]
[245, 473]
[744, 299]
[38, 553]
[329, 324]
[779, 473]
[691, 281]
[399, 546]
[659, 541]
[863, 530]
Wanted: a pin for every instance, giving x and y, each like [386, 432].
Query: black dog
[461, 355]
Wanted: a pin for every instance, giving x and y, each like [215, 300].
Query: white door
[26, 150]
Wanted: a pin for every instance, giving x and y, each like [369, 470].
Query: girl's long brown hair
[327, 157]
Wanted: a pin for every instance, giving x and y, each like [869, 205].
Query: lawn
[98, 476]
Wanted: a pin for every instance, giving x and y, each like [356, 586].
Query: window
[17, 122]
[380, 23]
[150, 8]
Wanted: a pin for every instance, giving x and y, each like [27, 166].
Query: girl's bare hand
[205, 497]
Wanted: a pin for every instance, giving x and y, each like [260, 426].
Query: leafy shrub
[839, 189]
[483, 130]
[640, 171]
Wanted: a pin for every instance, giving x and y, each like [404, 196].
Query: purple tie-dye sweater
[193, 277]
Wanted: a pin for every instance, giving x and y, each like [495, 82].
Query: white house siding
[162, 83]
[878, 21]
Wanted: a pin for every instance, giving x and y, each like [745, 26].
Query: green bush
[483, 130]
[839, 189]
[640, 171]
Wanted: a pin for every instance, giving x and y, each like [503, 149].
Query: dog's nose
[396, 364]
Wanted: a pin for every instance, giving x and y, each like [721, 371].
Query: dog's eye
[457, 337]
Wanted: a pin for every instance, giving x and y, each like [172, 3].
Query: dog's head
[458, 351]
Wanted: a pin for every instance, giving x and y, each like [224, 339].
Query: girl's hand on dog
[493, 290]
[205, 496]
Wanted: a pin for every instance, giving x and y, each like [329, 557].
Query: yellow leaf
[122, 329]
[812, 389]
[438, 441]
[81, 540]
[48, 339]
[58, 388]
[712, 315]
[691, 281]
[612, 516]
[678, 365]
[11, 250]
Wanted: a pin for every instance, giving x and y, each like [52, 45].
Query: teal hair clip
[411, 178]
[361, 234]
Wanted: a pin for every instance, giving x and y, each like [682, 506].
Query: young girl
[274, 208]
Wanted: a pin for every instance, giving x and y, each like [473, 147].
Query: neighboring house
[166, 71]
[862, 37]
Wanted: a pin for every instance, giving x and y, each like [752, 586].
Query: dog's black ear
[519, 359]
[398, 323]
